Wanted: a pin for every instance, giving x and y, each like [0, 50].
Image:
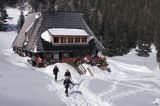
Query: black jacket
[67, 82]
[55, 70]
[67, 74]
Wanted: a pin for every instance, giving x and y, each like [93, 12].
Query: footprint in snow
[157, 102]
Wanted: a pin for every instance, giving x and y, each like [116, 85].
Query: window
[77, 39]
[56, 39]
[70, 39]
[63, 40]
[84, 39]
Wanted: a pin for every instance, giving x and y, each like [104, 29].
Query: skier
[67, 74]
[67, 83]
[55, 72]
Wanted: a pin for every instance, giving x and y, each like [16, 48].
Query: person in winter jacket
[67, 74]
[55, 72]
[67, 83]
[39, 61]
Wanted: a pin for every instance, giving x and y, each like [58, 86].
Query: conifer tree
[3, 17]
[143, 49]
[4, 14]
[20, 21]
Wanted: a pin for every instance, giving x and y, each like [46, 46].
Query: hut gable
[19, 41]
[50, 20]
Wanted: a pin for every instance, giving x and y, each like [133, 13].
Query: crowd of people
[67, 81]
[43, 61]
[40, 61]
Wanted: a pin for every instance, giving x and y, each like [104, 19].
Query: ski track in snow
[84, 97]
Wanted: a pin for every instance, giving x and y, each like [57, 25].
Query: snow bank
[132, 59]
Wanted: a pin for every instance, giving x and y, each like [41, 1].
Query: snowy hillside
[134, 81]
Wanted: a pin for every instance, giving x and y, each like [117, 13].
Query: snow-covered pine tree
[20, 22]
[4, 14]
[143, 49]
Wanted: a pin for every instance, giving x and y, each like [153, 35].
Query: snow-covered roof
[90, 38]
[58, 23]
[29, 27]
[68, 31]
[46, 36]
[36, 16]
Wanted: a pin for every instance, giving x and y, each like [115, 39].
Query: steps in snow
[80, 71]
[90, 72]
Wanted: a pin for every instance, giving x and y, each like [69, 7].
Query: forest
[120, 25]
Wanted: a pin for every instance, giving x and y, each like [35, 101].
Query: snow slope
[19, 84]
[134, 81]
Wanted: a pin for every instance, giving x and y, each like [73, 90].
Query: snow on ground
[134, 81]
[8, 37]
[19, 84]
